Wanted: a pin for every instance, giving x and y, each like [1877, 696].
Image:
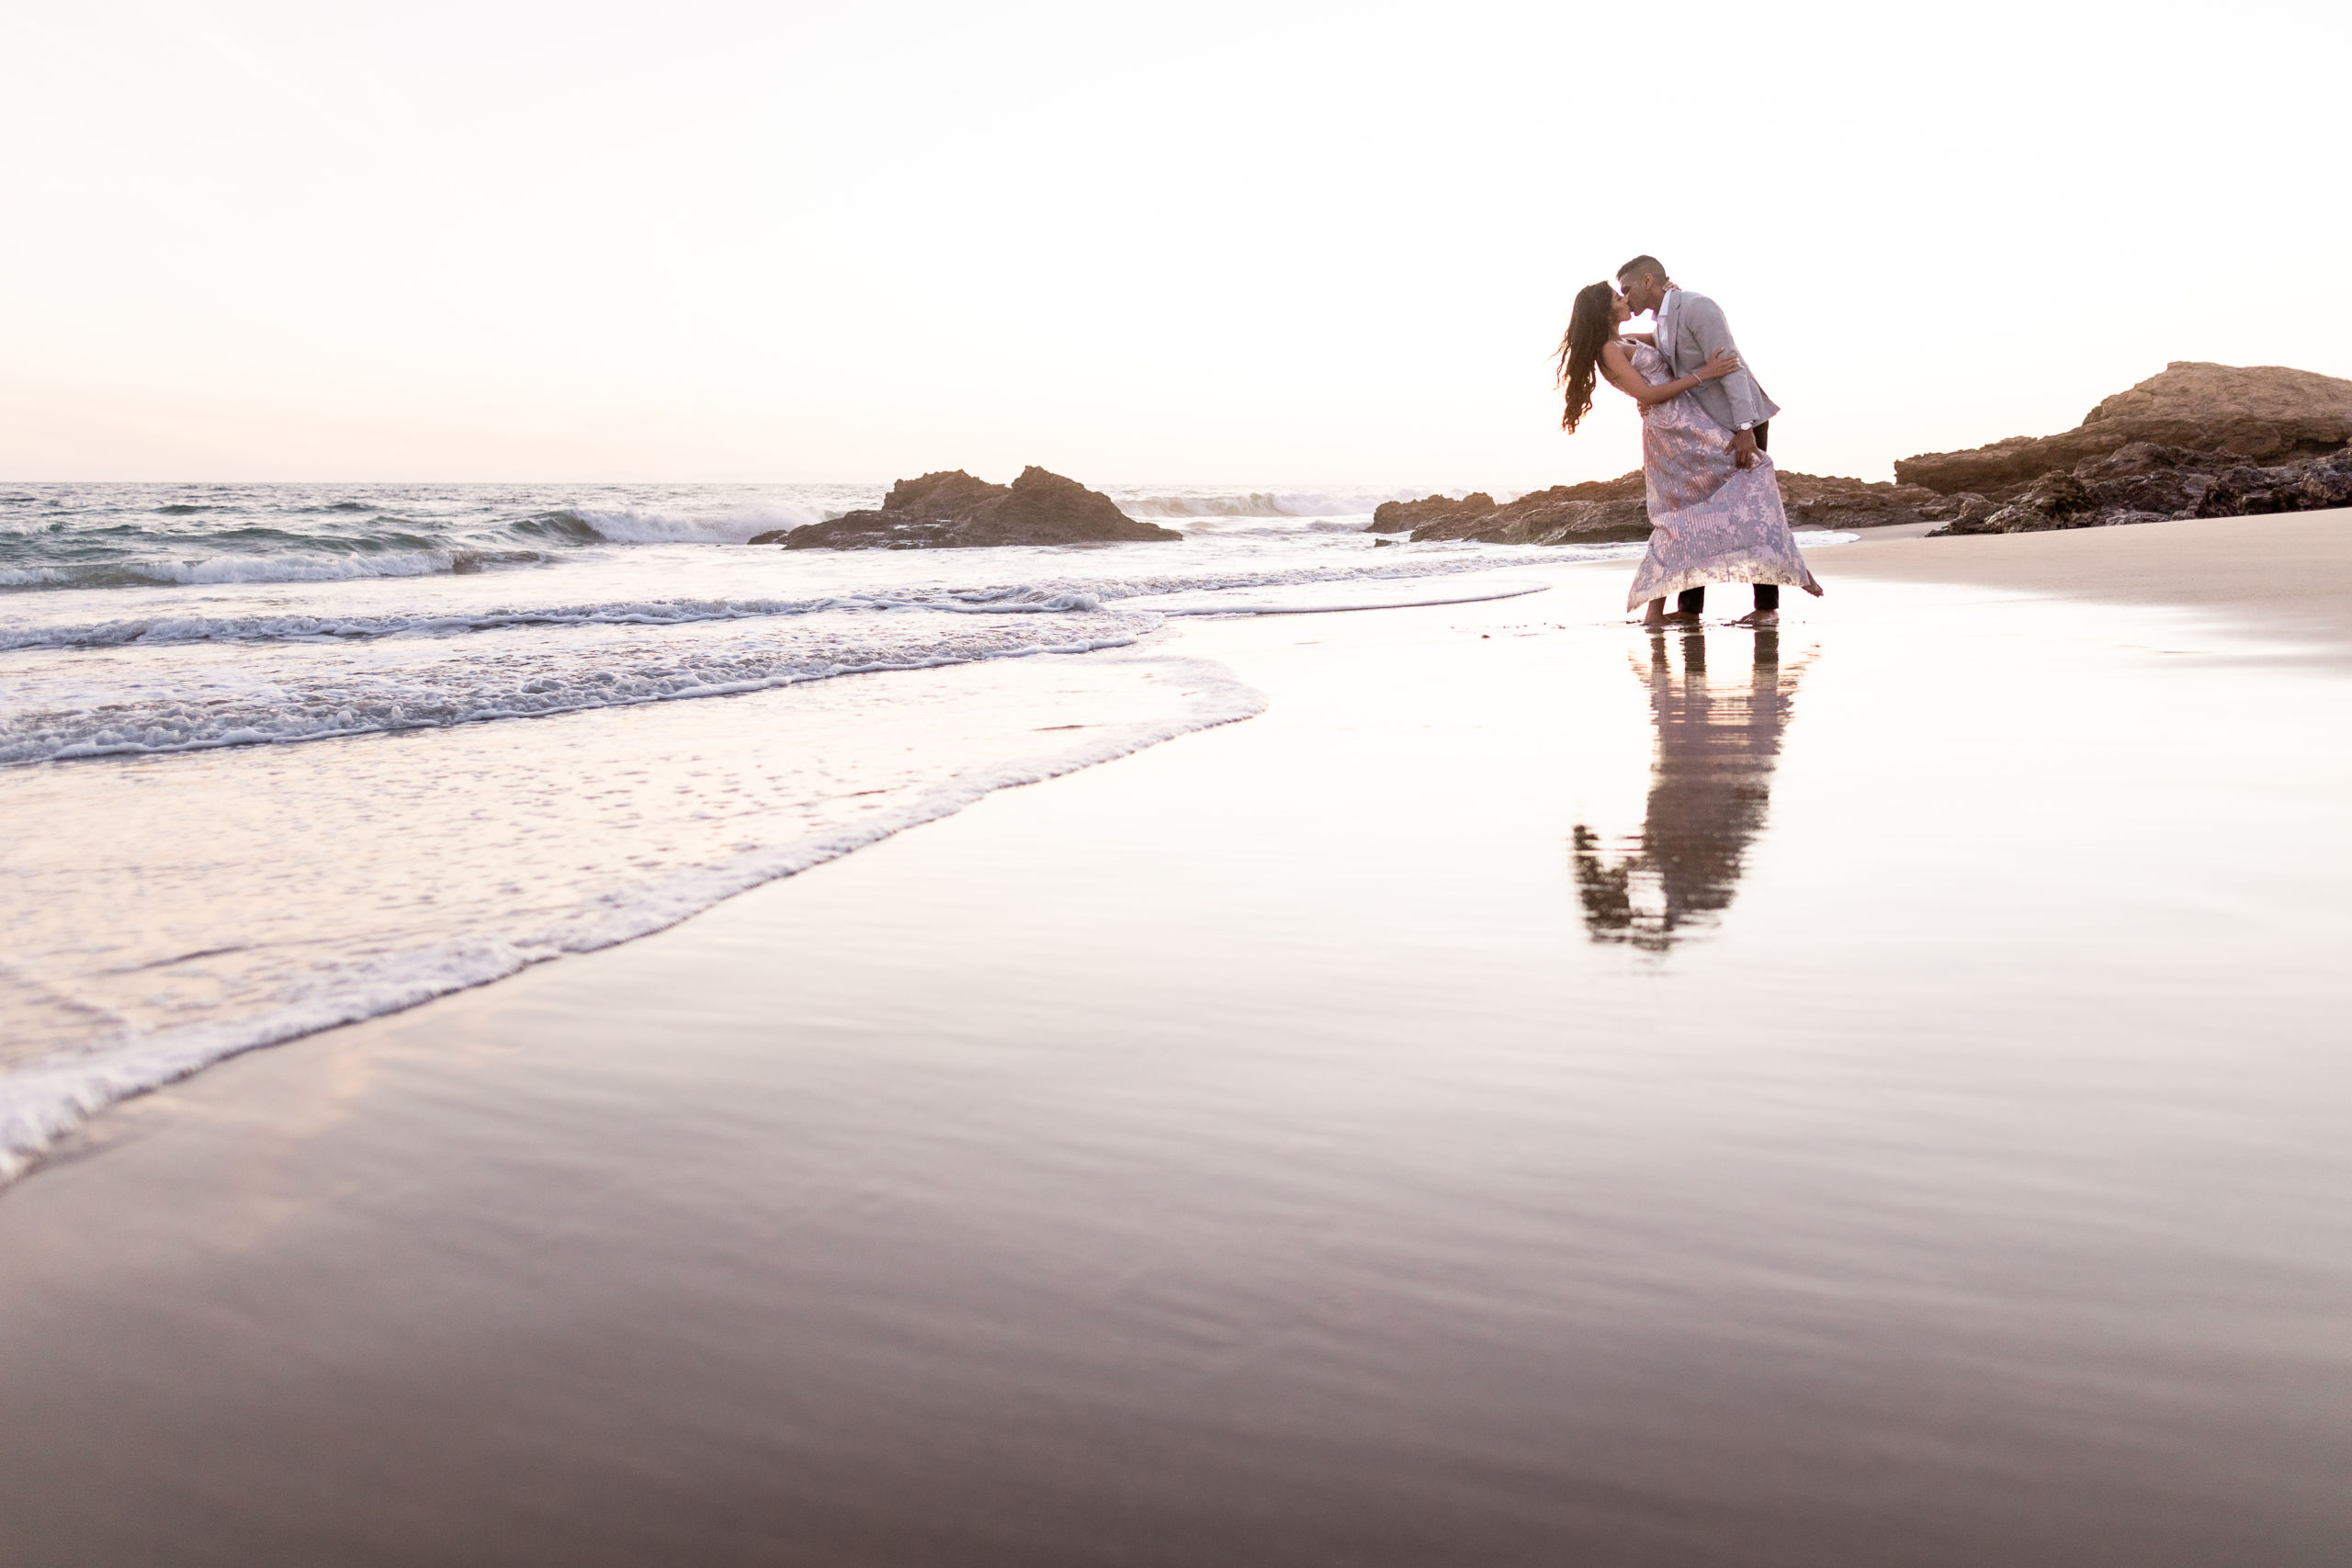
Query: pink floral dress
[1711, 520]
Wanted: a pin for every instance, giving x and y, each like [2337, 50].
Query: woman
[1711, 520]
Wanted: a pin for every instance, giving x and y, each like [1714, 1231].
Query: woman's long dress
[1711, 520]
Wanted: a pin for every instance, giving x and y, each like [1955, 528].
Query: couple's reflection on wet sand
[1710, 778]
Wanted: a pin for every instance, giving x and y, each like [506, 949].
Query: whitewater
[280, 757]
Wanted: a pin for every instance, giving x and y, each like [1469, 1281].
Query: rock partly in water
[2243, 413]
[1399, 517]
[955, 510]
[1599, 512]
[2148, 482]
[1602, 512]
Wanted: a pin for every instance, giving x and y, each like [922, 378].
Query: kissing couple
[1714, 498]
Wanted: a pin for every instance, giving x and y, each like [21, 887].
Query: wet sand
[1871, 1093]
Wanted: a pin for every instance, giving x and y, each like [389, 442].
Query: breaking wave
[1044, 597]
[188, 544]
[732, 528]
[1205, 502]
[262, 703]
[292, 566]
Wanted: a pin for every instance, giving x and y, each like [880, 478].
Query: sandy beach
[1871, 1092]
[2278, 579]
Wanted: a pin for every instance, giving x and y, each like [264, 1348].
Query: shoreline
[1252, 1149]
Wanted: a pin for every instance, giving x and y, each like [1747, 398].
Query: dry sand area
[2286, 577]
[1872, 1093]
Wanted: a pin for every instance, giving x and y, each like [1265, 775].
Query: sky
[1264, 243]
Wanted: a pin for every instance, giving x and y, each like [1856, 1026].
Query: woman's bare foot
[1656, 615]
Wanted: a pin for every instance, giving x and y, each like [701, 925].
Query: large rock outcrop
[2246, 413]
[1614, 511]
[2145, 482]
[955, 510]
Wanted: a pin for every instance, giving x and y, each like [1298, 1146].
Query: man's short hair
[1650, 264]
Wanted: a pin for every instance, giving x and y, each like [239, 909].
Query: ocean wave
[1260, 503]
[623, 528]
[295, 566]
[257, 706]
[44, 553]
[1046, 597]
[644, 654]
[165, 630]
[158, 630]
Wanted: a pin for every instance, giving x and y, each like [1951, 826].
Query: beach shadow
[1711, 777]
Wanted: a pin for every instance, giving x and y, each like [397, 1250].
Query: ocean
[279, 757]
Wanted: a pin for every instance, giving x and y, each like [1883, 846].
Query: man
[1690, 328]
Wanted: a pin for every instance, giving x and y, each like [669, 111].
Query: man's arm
[1700, 320]
[1618, 365]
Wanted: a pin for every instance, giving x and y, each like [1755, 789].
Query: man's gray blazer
[1688, 334]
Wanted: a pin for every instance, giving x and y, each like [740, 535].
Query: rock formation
[2242, 414]
[1397, 516]
[1598, 512]
[1825, 500]
[955, 510]
[2145, 482]
[1614, 511]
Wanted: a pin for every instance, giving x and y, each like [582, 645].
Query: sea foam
[526, 864]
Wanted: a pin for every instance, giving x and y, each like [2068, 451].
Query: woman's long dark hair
[1590, 326]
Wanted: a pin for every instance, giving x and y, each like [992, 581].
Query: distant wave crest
[331, 542]
[660, 528]
[1258, 504]
[288, 567]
